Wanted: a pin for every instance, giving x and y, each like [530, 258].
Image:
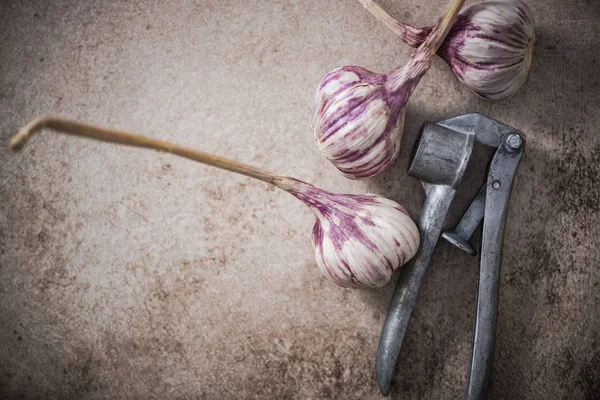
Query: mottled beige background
[130, 274]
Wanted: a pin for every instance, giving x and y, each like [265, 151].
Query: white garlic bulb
[489, 48]
[357, 122]
[358, 114]
[359, 240]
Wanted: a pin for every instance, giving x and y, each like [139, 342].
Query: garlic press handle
[439, 160]
[396, 322]
[499, 183]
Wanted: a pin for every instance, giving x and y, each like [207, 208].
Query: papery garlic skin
[359, 240]
[490, 47]
[358, 115]
[354, 122]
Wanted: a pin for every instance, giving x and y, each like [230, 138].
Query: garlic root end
[529, 53]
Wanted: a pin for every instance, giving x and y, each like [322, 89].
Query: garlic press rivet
[514, 141]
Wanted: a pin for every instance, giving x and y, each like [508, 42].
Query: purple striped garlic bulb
[359, 240]
[489, 48]
[358, 115]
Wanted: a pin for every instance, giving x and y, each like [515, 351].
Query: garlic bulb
[359, 240]
[489, 48]
[358, 114]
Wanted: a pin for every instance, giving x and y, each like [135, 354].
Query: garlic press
[439, 160]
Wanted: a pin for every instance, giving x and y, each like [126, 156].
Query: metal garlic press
[439, 160]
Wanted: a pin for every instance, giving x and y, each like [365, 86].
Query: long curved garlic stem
[410, 35]
[131, 139]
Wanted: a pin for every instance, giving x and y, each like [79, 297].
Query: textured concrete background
[130, 274]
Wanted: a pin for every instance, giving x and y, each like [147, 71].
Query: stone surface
[130, 274]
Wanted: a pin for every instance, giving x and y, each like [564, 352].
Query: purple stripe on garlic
[359, 240]
[358, 115]
[489, 47]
